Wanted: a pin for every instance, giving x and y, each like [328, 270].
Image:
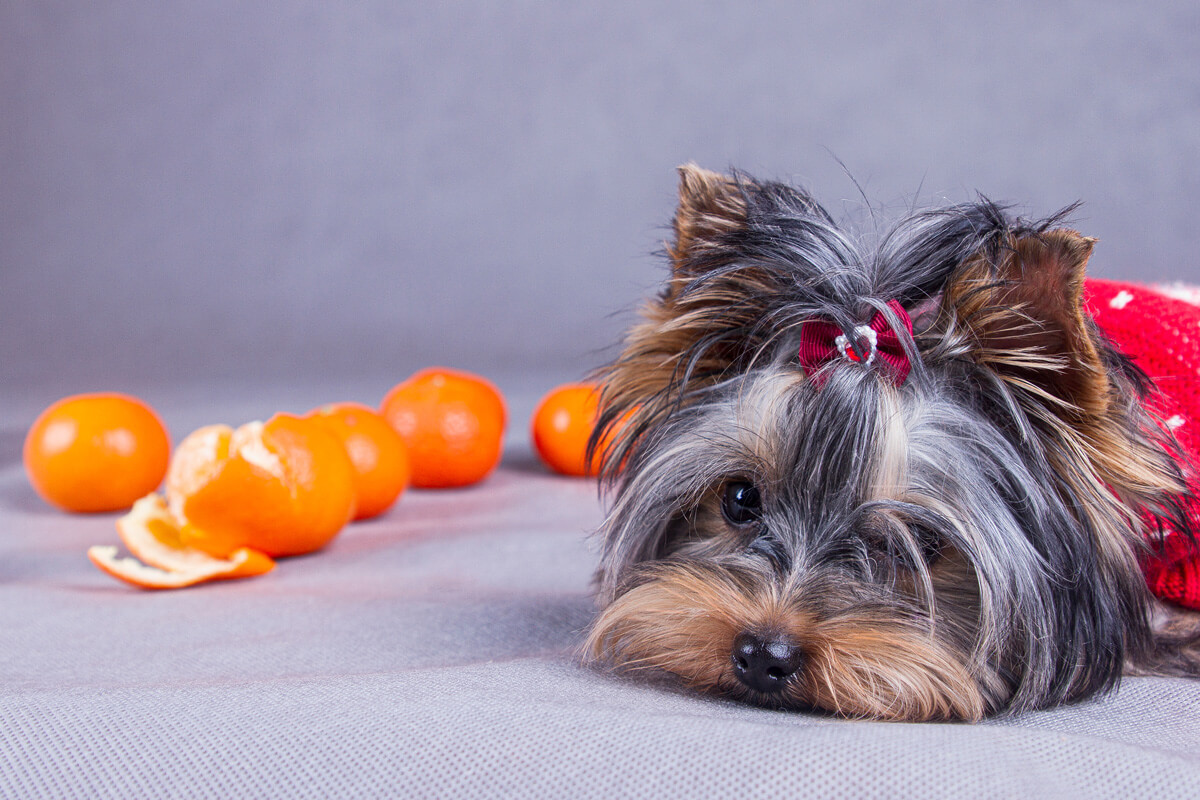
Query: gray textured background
[267, 191]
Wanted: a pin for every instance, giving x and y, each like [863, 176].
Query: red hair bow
[822, 341]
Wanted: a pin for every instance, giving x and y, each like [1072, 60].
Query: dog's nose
[765, 663]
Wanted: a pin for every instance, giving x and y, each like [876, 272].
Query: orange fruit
[96, 452]
[283, 487]
[453, 424]
[152, 534]
[561, 425]
[376, 451]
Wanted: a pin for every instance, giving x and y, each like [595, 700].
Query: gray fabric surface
[432, 653]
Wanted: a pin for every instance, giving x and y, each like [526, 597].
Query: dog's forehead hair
[848, 439]
[826, 458]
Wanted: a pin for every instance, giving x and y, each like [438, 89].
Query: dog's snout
[765, 662]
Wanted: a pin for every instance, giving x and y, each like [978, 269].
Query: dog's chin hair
[682, 618]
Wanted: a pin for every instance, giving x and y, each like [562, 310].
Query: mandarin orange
[378, 454]
[283, 487]
[453, 424]
[561, 425]
[96, 452]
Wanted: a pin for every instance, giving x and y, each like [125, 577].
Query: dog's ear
[1023, 311]
[711, 207]
[749, 259]
[701, 326]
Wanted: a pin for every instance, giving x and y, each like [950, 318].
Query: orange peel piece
[150, 533]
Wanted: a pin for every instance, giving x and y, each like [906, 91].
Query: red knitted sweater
[1161, 331]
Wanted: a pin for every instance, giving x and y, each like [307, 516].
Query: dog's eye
[741, 503]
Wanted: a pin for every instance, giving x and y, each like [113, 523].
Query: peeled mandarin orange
[561, 425]
[152, 534]
[377, 453]
[283, 487]
[453, 424]
[96, 452]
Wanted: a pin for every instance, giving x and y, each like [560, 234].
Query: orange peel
[150, 534]
[138, 574]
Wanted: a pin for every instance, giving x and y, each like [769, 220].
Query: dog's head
[905, 479]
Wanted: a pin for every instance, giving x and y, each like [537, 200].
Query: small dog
[912, 481]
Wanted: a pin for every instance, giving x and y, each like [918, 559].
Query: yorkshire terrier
[905, 479]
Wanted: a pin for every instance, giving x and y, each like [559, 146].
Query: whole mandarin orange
[561, 425]
[453, 424]
[378, 454]
[96, 452]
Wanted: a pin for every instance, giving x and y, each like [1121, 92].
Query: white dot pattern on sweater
[1121, 300]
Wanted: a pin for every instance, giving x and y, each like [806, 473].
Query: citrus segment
[377, 453]
[452, 423]
[96, 452]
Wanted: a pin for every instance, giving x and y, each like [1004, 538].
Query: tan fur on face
[857, 663]
[873, 666]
